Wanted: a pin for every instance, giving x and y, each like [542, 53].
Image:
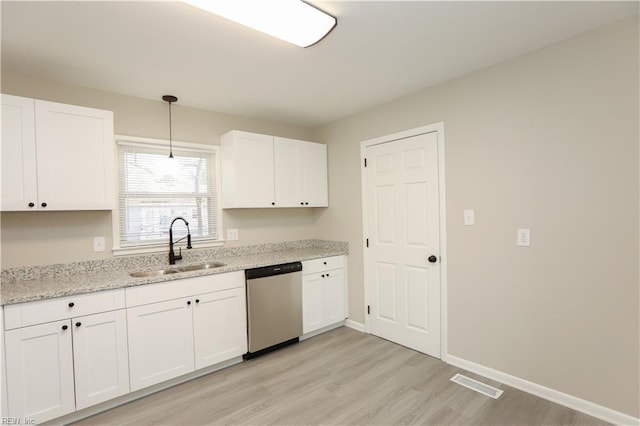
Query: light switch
[98, 244]
[524, 237]
[232, 234]
[469, 217]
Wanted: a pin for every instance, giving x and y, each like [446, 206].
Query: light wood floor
[340, 377]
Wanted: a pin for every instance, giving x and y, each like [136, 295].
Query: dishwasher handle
[268, 271]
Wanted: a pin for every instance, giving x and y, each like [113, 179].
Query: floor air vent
[477, 386]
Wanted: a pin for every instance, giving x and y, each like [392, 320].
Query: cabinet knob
[188, 302]
[44, 204]
[197, 300]
[78, 324]
[432, 259]
[273, 203]
[327, 274]
[64, 327]
[322, 275]
[324, 263]
[32, 204]
[306, 204]
[71, 304]
[302, 203]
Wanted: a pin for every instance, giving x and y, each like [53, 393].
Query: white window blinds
[154, 189]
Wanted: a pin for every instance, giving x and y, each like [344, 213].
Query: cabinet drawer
[153, 293]
[42, 311]
[322, 264]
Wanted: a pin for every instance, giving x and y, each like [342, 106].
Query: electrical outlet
[524, 237]
[98, 244]
[469, 217]
[232, 234]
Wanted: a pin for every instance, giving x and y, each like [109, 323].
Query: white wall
[41, 238]
[547, 141]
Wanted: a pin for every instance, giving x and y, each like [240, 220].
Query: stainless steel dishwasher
[274, 307]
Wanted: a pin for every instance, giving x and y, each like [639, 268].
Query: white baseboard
[575, 403]
[355, 325]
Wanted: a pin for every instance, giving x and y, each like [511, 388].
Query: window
[153, 189]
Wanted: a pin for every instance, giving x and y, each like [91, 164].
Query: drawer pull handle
[78, 324]
[71, 304]
[64, 327]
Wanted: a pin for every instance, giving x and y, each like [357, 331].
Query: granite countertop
[28, 284]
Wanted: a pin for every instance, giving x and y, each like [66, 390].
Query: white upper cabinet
[56, 156]
[288, 172]
[247, 170]
[314, 174]
[19, 178]
[267, 171]
[301, 173]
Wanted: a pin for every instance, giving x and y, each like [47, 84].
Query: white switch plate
[98, 244]
[469, 217]
[232, 234]
[524, 237]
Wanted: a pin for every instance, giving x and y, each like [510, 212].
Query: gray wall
[41, 238]
[547, 141]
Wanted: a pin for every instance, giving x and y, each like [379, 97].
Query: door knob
[432, 259]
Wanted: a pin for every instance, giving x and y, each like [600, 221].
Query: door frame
[431, 128]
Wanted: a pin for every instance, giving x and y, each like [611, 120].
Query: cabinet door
[313, 301]
[75, 157]
[18, 162]
[220, 326]
[289, 187]
[100, 357]
[247, 170]
[334, 300]
[314, 172]
[160, 342]
[40, 371]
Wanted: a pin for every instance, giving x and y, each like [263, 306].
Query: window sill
[160, 248]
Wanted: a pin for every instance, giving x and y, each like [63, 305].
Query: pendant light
[170, 99]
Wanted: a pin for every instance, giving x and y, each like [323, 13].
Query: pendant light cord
[170, 134]
[170, 99]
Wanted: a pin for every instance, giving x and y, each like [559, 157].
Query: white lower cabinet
[323, 293]
[203, 323]
[100, 359]
[40, 371]
[58, 367]
[219, 326]
[160, 342]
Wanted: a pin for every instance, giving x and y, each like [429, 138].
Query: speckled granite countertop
[27, 284]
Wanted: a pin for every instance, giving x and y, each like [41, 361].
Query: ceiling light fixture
[170, 99]
[293, 21]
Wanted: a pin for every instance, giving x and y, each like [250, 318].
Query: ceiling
[379, 51]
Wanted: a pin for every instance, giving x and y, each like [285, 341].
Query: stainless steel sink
[176, 270]
[210, 265]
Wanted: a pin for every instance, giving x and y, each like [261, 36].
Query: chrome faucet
[172, 256]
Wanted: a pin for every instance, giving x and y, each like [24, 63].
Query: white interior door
[402, 260]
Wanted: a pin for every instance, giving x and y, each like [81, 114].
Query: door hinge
[368, 309]
[365, 162]
[367, 242]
